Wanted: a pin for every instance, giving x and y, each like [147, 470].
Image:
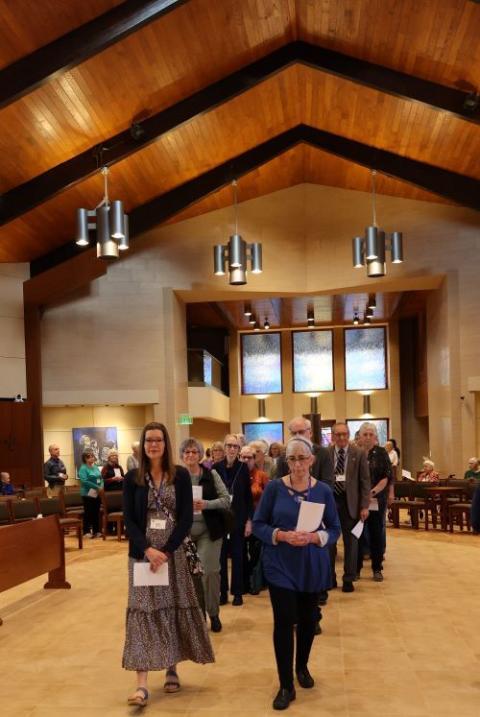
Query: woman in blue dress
[296, 563]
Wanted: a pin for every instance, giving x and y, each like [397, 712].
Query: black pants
[292, 608]
[91, 514]
[235, 547]
[350, 542]
[375, 523]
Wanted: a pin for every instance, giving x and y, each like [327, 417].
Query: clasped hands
[297, 538]
[156, 558]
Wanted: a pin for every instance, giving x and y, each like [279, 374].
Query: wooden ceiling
[92, 105]
[288, 312]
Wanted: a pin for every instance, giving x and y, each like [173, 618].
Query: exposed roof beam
[456, 187]
[37, 190]
[42, 65]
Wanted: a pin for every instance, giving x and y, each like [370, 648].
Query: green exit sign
[185, 419]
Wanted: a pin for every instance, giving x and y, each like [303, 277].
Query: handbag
[194, 563]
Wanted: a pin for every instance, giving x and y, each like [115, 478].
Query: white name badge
[340, 478]
[158, 524]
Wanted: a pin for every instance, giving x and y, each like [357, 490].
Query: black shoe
[254, 592]
[347, 587]
[304, 678]
[322, 598]
[215, 623]
[223, 599]
[377, 576]
[283, 698]
[318, 629]
[237, 600]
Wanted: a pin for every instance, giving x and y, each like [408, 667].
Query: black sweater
[135, 505]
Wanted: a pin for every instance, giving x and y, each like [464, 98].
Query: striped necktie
[340, 470]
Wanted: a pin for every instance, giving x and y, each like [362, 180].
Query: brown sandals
[137, 700]
[172, 683]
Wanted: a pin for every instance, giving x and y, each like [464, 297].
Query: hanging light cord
[234, 185]
[105, 201]
[374, 208]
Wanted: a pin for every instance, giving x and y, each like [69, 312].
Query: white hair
[307, 423]
[298, 440]
[368, 426]
[428, 462]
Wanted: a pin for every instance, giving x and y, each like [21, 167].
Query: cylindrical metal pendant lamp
[256, 257]
[397, 248]
[358, 259]
[219, 259]
[82, 227]
[237, 252]
[117, 223]
[372, 235]
[107, 248]
[238, 277]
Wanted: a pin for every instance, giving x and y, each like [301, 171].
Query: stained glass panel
[365, 359]
[269, 432]
[380, 423]
[312, 361]
[261, 363]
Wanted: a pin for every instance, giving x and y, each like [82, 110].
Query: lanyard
[157, 494]
[299, 498]
[231, 488]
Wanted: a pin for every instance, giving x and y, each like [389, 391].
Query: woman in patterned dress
[164, 623]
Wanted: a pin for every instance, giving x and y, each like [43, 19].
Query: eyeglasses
[299, 433]
[193, 451]
[341, 435]
[154, 440]
[300, 459]
[247, 458]
[232, 445]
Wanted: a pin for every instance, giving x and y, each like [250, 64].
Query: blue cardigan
[304, 569]
[135, 506]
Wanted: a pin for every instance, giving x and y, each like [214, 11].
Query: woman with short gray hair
[296, 563]
[208, 524]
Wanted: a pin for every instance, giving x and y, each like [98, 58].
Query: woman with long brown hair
[164, 623]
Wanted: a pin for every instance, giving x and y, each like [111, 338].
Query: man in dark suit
[322, 468]
[236, 477]
[352, 496]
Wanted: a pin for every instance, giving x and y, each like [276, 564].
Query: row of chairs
[68, 505]
[13, 510]
[425, 505]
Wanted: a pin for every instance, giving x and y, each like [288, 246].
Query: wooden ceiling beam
[456, 187]
[26, 196]
[42, 65]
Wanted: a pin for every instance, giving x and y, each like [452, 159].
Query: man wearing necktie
[352, 496]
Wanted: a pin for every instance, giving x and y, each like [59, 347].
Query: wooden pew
[30, 549]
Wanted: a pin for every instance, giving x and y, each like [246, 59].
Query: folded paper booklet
[197, 491]
[310, 516]
[117, 473]
[407, 475]
[357, 529]
[142, 575]
[373, 504]
[92, 493]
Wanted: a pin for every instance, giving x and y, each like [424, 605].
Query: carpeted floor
[408, 646]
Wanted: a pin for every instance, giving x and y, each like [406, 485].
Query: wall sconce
[367, 404]
[262, 410]
[313, 402]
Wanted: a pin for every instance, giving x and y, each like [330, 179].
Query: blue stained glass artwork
[312, 361]
[365, 359]
[261, 363]
[269, 432]
[380, 423]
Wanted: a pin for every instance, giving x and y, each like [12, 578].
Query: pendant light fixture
[110, 222]
[266, 324]
[235, 255]
[370, 249]
[310, 317]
